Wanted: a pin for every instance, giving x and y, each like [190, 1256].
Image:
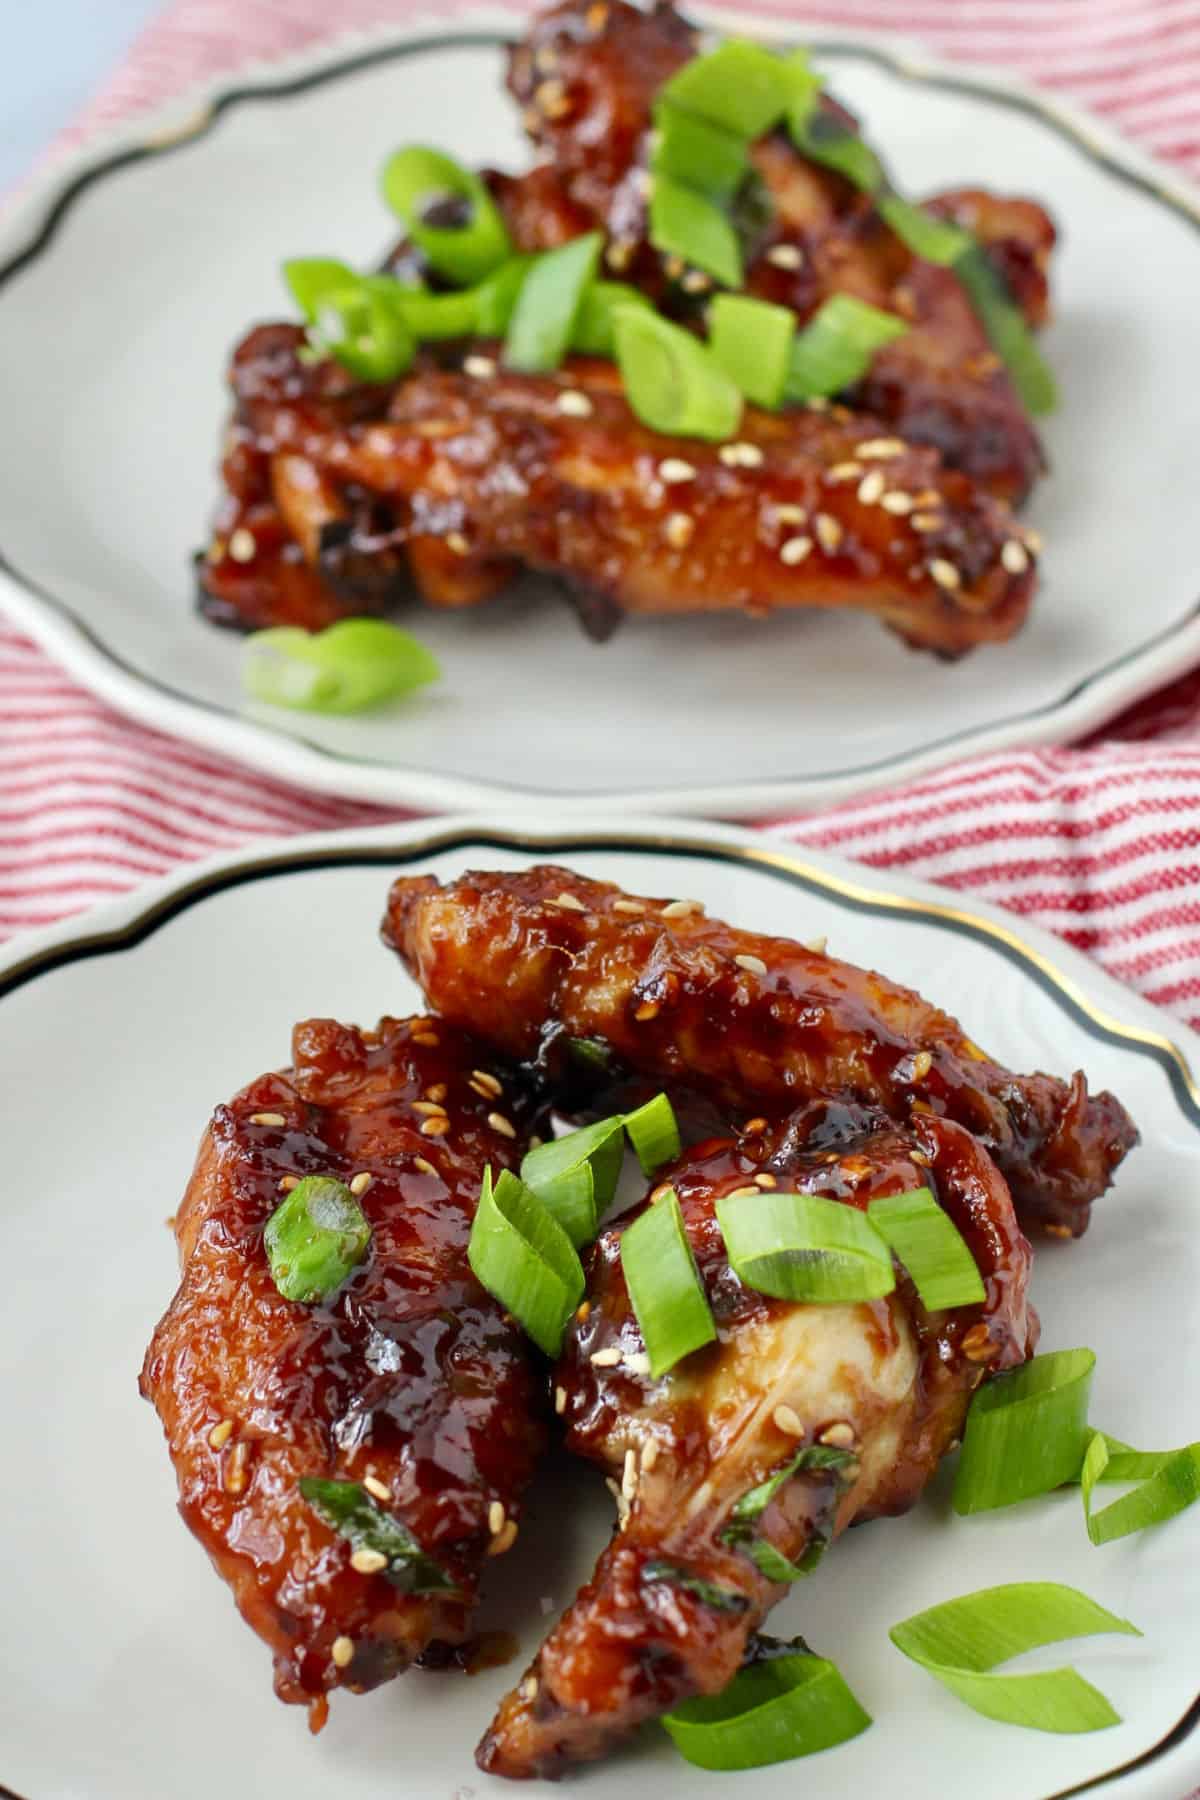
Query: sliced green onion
[352, 665]
[804, 1247]
[593, 1053]
[719, 1598]
[654, 1133]
[595, 332]
[689, 225]
[315, 1238]
[960, 1641]
[365, 332]
[415, 180]
[1167, 1488]
[934, 240]
[701, 155]
[548, 304]
[835, 349]
[742, 1528]
[931, 1247]
[771, 1712]
[673, 383]
[823, 138]
[740, 86]
[575, 1177]
[496, 297]
[1007, 331]
[349, 1509]
[313, 278]
[752, 341]
[1026, 1432]
[521, 1255]
[429, 317]
[665, 1288]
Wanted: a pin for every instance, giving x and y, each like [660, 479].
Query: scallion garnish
[665, 1288]
[520, 1253]
[1007, 331]
[496, 297]
[1168, 1483]
[364, 331]
[673, 382]
[742, 1528]
[418, 182]
[595, 332]
[804, 1247]
[312, 278]
[575, 1177]
[835, 349]
[930, 1246]
[548, 303]
[752, 341]
[429, 317]
[315, 1239]
[963, 1640]
[687, 224]
[701, 155]
[654, 1133]
[740, 86]
[354, 1515]
[1026, 1432]
[351, 665]
[773, 1710]
[707, 1592]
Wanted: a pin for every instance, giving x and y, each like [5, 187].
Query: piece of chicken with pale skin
[874, 1392]
[754, 1019]
[409, 1380]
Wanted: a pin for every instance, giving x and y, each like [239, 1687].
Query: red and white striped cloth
[1099, 843]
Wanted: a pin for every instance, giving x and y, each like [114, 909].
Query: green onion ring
[1026, 1432]
[931, 1247]
[520, 1253]
[665, 1289]
[772, 1711]
[804, 1247]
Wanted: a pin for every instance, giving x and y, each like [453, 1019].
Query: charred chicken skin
[410, 1380]
[884, 1385]
[757, 1021]
[342, 496]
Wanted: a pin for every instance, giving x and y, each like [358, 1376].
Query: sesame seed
[622, 1502]
[487, 1082]
[482, 368]
[844, 471]
[927, 497]
[426, 1168]
[546, 59]
[674, 266]
[560, 1399]
[818, 404]
[221, 1434]
[504, 1126]
[977, 1345]
[649, 1009]
[673, 469]
[637, 1362]
[605, 1359]
[529, 1688]
[504, 1540]
[696, 282]
[551, 98]
[628, 906]
[435, 1127]
[455, 540]
[786, 256]
[789, 514]
[679, 530]
[1034, 540]
[880, 448]
[922, 1062]
[619, 254]
[679, 909]
[288, 1182]
[944, 573]
[596, 17]
[925, 521]
[839, 1436]
[342, 1651]
[583, 1312]
[379, 1489]
[765, 1180]
[741, 456]
[235, 1473]
[368, 1562]
[897, 502]
[574, 404]
[740, 1192]
[829, 532]
[267, 1119]
[437, 1092]
[629, 1475]
[569, 903]
[752, 1127]
[793, 550]
[754, 965]
[428, 1106]
[871, 487]
[496, 1517]
[1015, 557]
[649, 1454]
[788, 1420]
[243, 545]
[361, 1182]
[817, 945]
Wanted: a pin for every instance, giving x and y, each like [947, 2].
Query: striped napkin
[1101, 843]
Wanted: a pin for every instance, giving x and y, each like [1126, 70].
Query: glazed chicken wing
[873, 1392]
[409, 1381]
[756, 1020]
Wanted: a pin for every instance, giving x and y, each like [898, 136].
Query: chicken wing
[479, 471]
[410, 1381]
[752, 1018]
[874, 1392]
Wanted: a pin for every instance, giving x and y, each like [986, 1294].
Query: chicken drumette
[409, 1381]
[757, 1021]
[858, 1402]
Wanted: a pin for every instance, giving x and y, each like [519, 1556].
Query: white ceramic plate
[124, 1671]
[131, 275]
